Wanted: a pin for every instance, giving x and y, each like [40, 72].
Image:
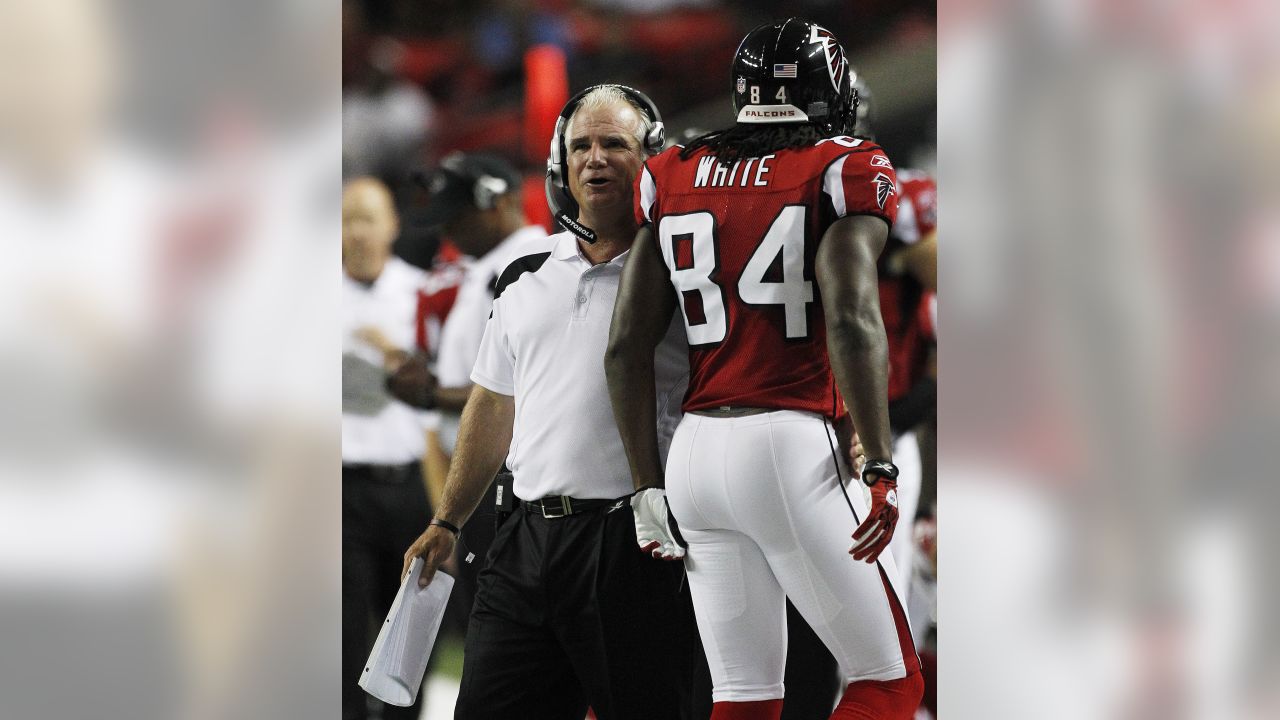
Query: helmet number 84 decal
[780, 96]
[688, 245]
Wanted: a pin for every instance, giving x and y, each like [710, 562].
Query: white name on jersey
[714, 174]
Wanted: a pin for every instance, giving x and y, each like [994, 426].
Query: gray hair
[605, 96]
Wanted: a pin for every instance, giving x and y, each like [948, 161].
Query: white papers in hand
[393, 672]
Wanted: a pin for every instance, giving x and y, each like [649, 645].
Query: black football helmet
[794, 71]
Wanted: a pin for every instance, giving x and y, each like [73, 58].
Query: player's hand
[857, 456]
[656, 530]
[413, 383]
[874, 534]
[434, 546]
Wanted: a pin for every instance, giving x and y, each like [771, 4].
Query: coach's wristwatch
[873, 470]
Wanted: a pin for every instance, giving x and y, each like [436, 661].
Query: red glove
[874, 534]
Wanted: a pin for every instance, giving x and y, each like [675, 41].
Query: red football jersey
[740, 243]
[436, 297]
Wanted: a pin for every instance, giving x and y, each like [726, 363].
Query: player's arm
[641, 317]
[859, 352]
[484, 437]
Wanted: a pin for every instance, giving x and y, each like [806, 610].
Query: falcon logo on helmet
[831, 49]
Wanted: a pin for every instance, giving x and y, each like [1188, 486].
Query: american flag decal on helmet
[784, 70]
[884, 188]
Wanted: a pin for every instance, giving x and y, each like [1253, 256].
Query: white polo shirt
[544, 345]
[376, 428]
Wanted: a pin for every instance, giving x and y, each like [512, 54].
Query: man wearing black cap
[475, 201]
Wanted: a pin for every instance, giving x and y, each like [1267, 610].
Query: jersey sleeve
[862, 182]
[495, 363]
[646, 196]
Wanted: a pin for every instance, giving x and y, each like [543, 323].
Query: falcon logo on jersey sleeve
[884, 188]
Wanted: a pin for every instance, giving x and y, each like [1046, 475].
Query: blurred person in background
[568, 612]
[89, 514]
[736, 221]
[908, 272]
[476, 201]
[384, 495]
[386, 119]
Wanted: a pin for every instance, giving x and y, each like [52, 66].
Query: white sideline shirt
[544, 345]
[377, 428]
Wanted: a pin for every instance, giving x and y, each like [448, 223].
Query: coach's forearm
[484, 437]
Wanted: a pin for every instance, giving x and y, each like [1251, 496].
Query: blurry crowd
[424, 79]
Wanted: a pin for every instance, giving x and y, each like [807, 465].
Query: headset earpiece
[559, 199]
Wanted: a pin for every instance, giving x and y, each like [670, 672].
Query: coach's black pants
[384, 509]
[569, 613]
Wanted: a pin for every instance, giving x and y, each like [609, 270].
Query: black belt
[726, 411]
[391, 474]
[554, 506]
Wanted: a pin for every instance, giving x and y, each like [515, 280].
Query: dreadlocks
[747, 141]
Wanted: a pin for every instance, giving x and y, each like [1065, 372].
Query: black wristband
[446, 525]
[874, 470]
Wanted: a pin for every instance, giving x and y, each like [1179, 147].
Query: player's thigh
[719, 466]
[691, 470]
[741, 614]
[849, 604]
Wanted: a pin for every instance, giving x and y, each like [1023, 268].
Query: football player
[766, 236]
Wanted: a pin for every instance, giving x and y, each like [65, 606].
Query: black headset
[559, 199]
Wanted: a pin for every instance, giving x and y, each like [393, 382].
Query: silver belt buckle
[565, 508]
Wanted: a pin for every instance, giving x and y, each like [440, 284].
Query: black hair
[748, 141]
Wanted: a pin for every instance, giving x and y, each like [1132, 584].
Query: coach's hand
[434, 546]
[874, 534]
[656, 530]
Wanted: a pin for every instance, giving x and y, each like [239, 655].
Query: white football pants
[759, 501]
